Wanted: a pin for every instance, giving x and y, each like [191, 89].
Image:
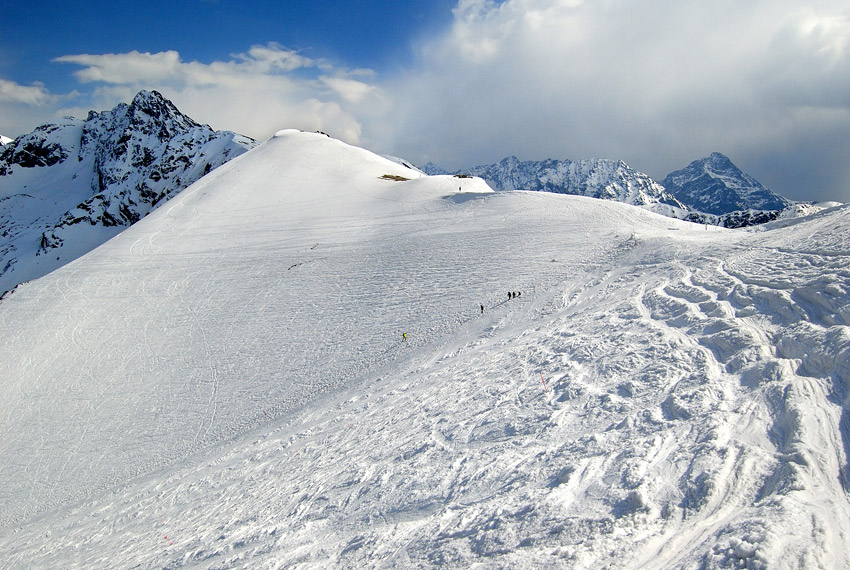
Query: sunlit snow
[226, 385]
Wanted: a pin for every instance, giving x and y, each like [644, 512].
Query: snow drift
[225, 384]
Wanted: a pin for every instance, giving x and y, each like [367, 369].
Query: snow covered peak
[719, 161]
[149, 118]
[434, 169]
[69, 186]
[5, 140]
[714, 185]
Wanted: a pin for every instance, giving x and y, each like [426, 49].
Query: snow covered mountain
[716, 186]
[67, 187]
[225, 383]
[594, 178]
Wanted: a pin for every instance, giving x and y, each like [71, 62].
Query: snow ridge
[67, 187]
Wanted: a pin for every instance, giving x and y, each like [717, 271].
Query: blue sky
[374, 34]
[461, 82]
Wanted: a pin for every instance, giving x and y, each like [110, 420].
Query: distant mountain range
[67, 187]
[594, 178]
[711, 190]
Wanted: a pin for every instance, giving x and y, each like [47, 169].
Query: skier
[403, 337]
[482, 309]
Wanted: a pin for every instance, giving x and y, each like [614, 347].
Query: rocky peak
[45, 146]
[151, 108]
[716, 186]
[128, 160]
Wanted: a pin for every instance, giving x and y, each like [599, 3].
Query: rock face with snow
[67, 187]
[716, 186]
[225, 384]
[594, 178]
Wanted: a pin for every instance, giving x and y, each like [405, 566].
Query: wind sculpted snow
[225, 383]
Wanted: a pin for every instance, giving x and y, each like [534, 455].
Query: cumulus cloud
[656, 83]
[33, 95]
[23, 107]
[255, 93]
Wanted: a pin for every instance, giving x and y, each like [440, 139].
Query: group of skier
[511, 295]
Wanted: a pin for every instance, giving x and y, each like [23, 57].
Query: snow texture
[67, 187]
[225, 385]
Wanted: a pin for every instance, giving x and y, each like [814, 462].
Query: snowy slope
[5, 140]
[716, 186]
[224, 384]
[67, 187]
[595, 178]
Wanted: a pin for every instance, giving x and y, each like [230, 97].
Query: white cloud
[349, 89]
[24, 107]
[33, 95]
[656, 83]
[254, 93]
[265, 59]
[126, 67]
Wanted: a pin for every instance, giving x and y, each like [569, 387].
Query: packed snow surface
[225, 383]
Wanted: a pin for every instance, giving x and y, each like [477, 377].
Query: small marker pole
[543, 381]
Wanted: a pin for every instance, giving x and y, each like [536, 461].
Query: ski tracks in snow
[687, 408]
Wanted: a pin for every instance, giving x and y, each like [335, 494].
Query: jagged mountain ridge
[67, 187]
[710, 191]
[714, 185]
[595, 178]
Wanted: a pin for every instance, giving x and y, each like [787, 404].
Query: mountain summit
[67, 187]
[716, 186]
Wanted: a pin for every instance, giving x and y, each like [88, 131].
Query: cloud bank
[656, 83]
